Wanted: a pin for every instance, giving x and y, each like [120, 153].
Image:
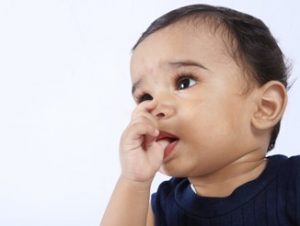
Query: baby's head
[197, 45]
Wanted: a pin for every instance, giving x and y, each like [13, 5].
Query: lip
[164, 134]
[172, 139]
[169, 149]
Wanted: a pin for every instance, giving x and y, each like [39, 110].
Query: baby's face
[199, 90]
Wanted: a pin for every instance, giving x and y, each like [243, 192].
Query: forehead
[181, 41]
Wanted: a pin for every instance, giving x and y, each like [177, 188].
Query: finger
[146, 107]
[163, 143]
[149, 139]
[145, 118]
[156, 151]
[150, 105]
[138, 131]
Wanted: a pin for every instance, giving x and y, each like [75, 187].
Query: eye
[185, 82]
[144, 97]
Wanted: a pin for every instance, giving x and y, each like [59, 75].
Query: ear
[270, 105]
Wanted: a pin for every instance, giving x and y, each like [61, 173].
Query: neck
[224, 181]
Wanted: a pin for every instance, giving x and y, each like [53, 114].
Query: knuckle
[142, 107]
[141, 119]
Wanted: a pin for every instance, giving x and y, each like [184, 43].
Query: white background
[65, 99]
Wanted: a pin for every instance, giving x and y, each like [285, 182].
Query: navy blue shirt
[272, 199]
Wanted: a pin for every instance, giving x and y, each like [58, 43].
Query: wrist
[139, 186]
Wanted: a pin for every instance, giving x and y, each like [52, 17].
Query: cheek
[209, 120]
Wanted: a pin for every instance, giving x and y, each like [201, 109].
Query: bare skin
[141, 158]
[185, 83]
[219, 186]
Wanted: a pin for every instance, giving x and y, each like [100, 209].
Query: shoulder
[170, 185]
[284, 168]
[295, 161]
[292, 171]
[167, 188]
[288, 184]
[287, 165]
[294, 164]
[165, 194]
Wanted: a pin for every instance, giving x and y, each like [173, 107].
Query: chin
[173, 171]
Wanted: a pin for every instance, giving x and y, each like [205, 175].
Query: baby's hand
[141, 155]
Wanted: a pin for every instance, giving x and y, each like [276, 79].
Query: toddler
[210, 86]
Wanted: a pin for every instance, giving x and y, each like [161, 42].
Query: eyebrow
[187, 63]
[176, 64]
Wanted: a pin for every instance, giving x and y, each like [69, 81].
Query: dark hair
[253, 43]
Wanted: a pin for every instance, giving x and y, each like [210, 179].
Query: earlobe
[270, 105]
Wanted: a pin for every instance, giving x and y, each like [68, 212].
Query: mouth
[166, 136]
[171, 139]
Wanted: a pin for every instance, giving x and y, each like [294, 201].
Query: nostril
[160, 115]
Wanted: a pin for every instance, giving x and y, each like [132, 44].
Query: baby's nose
[164, 111]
